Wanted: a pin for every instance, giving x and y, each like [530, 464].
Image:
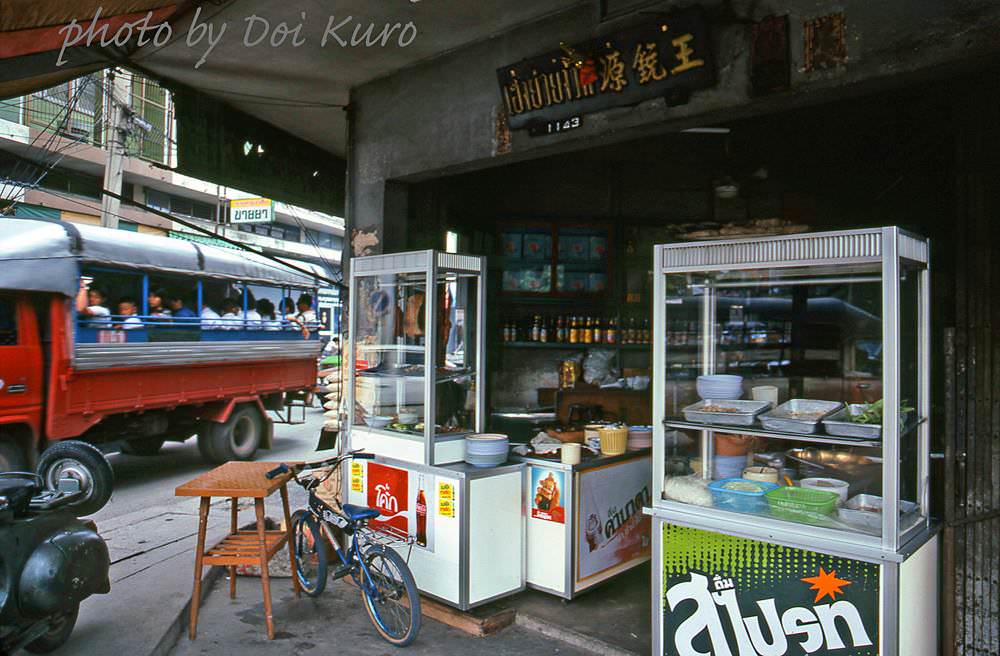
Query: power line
[195, 227]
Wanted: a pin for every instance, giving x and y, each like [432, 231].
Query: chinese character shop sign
[668, 58]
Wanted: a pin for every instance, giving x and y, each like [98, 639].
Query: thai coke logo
[385, 501]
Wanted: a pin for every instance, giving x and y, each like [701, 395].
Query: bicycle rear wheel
[393, 605]
[310, 553]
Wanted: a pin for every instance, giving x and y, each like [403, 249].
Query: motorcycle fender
[63, 570]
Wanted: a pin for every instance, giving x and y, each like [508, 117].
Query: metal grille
[455, 262]
[971, 568]
[811, 249]
[391, 262]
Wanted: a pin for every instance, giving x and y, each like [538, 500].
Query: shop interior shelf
[567, 346]
[679, 423]
[442, 377]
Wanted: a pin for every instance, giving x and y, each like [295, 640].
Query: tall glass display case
[415, 391]
[791, 397]
[408, 310]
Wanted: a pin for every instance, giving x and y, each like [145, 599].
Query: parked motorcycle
[50, 561]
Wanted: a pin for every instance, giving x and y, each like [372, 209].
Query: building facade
[65, 130]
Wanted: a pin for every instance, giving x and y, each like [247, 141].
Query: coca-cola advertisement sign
[388, 492]
[404, 499]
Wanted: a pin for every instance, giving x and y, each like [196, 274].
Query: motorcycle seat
[359, 513]
[18, 492]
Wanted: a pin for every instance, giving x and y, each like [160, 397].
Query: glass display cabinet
[790, 403]
[408, 310]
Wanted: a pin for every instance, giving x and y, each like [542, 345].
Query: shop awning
[33, 33]
[301, 90]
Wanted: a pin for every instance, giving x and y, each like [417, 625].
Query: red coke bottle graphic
[421, 518]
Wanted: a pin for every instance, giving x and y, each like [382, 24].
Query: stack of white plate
[486, 449]
[720, 386]
[639, 437]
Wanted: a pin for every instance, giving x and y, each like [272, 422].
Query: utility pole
[117, 133]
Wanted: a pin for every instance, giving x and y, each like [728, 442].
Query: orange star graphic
[826, 583]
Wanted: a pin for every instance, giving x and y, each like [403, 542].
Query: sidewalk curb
[570, 637]
[179, 626]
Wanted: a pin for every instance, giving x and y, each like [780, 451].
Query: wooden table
[236, 480]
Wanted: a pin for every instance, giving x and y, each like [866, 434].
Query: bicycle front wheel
[391, 597]
[310, 553]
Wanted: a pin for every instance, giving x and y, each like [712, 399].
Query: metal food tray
[851, 513]
[782, 418]
[746, 414]
[839, 424]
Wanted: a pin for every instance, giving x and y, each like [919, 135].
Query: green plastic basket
[798, 503]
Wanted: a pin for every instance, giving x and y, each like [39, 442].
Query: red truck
[117, 341]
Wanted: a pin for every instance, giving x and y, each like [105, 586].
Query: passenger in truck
[306, 314]
[251, 318]
[177, 309]
[91, 302]
[269, 321]
[128, 309]
[156, 299]
[210, 319]
[231, 316]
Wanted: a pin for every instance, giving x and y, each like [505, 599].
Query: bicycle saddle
[359, 513]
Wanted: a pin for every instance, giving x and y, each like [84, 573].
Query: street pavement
[335, 623]
[151, 536]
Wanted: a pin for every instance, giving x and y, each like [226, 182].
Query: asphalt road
[151, 536]
[149, 481]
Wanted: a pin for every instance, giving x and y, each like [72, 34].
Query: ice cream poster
[612, 528]
[547, 503]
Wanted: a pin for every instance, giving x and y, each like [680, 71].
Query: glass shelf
[441, 378]
[756, 430]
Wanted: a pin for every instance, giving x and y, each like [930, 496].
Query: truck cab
[21, 382]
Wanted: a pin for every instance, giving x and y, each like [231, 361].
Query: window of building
[79, 184]
[82, 99]
[179, 206]
[150, 102]
[281, 231]
[320, 239]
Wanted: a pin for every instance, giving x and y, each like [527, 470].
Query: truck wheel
[237, 438]
[143, 446]
[57, 634]
[11, 456]
[84, 462]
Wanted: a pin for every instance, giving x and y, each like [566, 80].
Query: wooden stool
[236, 480]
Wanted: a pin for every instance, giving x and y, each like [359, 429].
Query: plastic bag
[598, 367]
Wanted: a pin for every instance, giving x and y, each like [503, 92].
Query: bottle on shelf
[536, 329]
[646, 337]
[543, 333]
[598, 331]
[574, 331]
[561, 329]
[587, 335]
[611, 334]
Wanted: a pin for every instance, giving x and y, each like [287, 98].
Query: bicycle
[387, 586]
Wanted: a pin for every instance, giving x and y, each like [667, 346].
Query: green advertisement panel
[730, 596]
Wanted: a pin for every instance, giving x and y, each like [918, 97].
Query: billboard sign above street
[251, 210]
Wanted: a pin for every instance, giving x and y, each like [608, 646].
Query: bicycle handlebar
[284, 468]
